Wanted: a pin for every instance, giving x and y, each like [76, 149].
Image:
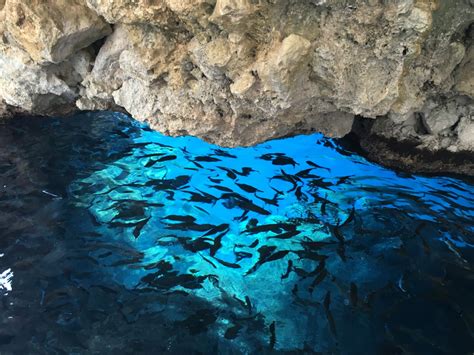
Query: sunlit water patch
[116, 239]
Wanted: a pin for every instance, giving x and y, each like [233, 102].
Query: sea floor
[115, 239]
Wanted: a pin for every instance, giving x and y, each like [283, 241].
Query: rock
[440, 118]
[465, 131]
[238, 72]
[464, 77]
[50, 31]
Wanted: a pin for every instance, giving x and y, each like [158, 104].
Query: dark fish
[330, 318]
[317, 280]
[272, 335]
[306, 174]
[273, 201]
[166, 158]
[278, 159]
[248, 188]
[353, 294]
[266, 255]
[150, 163]
[288, 178]
[209, 261]
[286, 235]
[248, 304]
[223, 153]
[227, 264]
[215, 181]
[202, 197]
[187, 219]
[230, 173]
[274, 227]
[224, 227]
[221, 188]
[197, 164]
[239, 255]
[316, 165]
[288, 270]
[232, 332]
[243, 203]
[206, 158]
[251, 223]
[245, 171]
[300, 195]
[254, 244]
[139, 226]
[350, 218]
[217, 244]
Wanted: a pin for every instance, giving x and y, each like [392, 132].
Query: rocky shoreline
[239, 72]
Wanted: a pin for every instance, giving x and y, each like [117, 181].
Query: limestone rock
[238, 72]
[50, 31]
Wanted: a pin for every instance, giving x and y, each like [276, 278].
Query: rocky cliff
[238, 72]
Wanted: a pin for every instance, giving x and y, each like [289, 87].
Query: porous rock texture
[238, 72]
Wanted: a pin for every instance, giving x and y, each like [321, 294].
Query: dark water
[117, 240]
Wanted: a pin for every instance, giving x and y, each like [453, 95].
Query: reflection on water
[116, 239]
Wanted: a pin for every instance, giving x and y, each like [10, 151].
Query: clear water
[116, 239]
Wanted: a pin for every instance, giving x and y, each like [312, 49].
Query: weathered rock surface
[238, 72]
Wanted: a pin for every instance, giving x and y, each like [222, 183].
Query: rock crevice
[238, 72]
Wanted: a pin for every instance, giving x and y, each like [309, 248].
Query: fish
[288, 270]
[314, 165]
[288, 178]
[230, 173]
[223, 153]
[350, 218]
[221, 188]
[243, 203]
[330, 318]
[317, 280]
[248, 188]
[187, 219]
[202, 197]
[224, 227]
[248, 304]
[232, 332]
[239, 255]
[272, 335]
[227, 264]
[273, 201]
[206, 158]
[209, 261]
[274, 227]
[217, 244]
[251, 223]
[286, 235]
[254, 244]
[139, 226]
[215, 181]
[267, 254]
[306, 174]
[353, 294]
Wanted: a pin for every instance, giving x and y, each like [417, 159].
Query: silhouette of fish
[267, 255]
[286, 235]
[139, 226]
[330, 318]
[223, 153]
[314, 165]
[274, 227]
[232, 332]
[227, 264]
[353, 294]
[248, 188]
[288, 270]
[272, 335]
[187, 219]
[206, 158]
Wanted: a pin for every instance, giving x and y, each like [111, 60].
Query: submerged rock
[241, 72]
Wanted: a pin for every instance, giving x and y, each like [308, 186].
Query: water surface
[116, 239]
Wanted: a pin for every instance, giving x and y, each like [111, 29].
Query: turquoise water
[117, 239]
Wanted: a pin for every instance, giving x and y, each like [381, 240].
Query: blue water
[116, 239]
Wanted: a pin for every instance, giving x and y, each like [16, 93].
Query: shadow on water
[116, 239]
